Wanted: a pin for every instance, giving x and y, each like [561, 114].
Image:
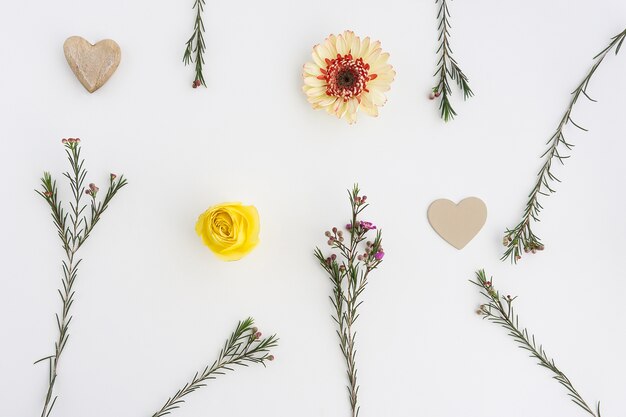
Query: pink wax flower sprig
[348, 266]
[73, 222]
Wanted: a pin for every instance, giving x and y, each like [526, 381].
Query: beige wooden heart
[93, 65]
[457, 224]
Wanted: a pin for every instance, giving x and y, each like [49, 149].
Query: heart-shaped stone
[457, 224]
[93, 65]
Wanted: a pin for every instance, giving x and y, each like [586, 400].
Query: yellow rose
[230, 230]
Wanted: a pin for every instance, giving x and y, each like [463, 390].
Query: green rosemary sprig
[447, 67]
[499, 309]
[349, 278]
[521, 238]
[73, 227]
[244, 346]
[195, 45]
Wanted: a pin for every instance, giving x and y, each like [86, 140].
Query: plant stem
[72, 237]
[349, 279]
[244, 346]
[448, 66]
[521, 238]
[503, 314]
[195, 44]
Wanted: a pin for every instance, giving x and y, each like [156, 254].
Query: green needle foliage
[195, 45]
[447, 66]
[244, 346]
[521, 238]
[499, 309]
[73, 227]
[349, 277]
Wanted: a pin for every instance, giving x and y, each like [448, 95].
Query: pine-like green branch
[499, 310]
[195, 46]
[244, 346]
[73, 227]
[349, 278]
[447, 66]
[521, 239]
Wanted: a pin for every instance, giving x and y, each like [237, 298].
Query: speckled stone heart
[93, 65]
[457, 224]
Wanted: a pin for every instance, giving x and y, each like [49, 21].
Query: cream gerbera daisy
[347, 74]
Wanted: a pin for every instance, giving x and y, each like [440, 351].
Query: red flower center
[346, 77]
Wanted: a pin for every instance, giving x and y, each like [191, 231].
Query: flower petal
[355, 47]
[351, 108]
[367, 105]
[365, 46]
[314, 81]
[342, 46]
[311, 69]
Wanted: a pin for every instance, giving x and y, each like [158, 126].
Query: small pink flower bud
[431, 96]
[64, 141]
[270, 358]
[334, 230]
[367, 225]
[379, 255]
[258, 335]
[47, 194]
[438, 93]
[113, 176]
[348, 226]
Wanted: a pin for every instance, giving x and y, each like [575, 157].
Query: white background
[153, 305]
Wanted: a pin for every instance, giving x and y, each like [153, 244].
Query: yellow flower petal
[379, 64]
[323, 52]
[316, 58]
[351, 108]
[365, 46]
[342, 46]
[330, 42]
[355, 47]
[313, 92]
[311, 69]
[367, 105]
[314, 81]
[348, 37]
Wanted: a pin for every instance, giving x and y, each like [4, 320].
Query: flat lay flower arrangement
[230, 230]
[348, 75]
